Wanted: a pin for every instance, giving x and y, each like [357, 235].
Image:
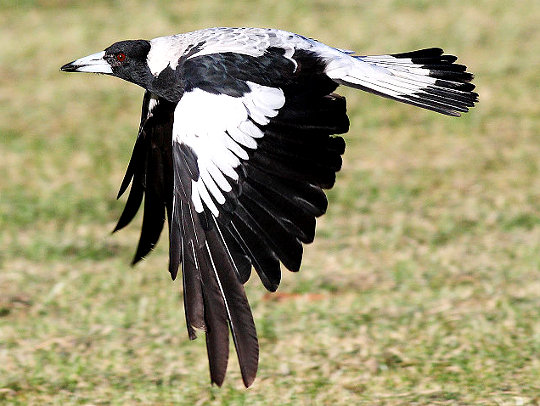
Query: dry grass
[422, 286]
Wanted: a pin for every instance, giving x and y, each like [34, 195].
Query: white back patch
[165, 51]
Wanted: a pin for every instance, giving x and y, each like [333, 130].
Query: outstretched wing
[251, 153]
[239, 163]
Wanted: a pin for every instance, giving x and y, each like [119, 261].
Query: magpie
[237, 140]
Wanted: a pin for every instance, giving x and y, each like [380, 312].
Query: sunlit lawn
[423, 284]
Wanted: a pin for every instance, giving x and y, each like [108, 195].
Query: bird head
[125, 59]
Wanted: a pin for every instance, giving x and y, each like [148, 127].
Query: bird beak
[92, 63]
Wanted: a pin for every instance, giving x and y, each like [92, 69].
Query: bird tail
[425, 78]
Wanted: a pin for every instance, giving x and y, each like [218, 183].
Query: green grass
[423, 284]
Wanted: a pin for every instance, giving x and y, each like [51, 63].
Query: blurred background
[422, 286]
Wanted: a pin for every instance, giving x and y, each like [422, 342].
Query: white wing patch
[220, 129]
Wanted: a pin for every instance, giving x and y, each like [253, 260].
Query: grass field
[423, 284]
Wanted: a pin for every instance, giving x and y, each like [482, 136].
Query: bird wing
[239, 165]
[253, 135]
[251, 152]
[150, 173]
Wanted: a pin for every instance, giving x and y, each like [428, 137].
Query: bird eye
[120, 57]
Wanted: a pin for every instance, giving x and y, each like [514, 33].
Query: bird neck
[167, 85]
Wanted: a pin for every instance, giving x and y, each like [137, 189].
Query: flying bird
[237, 141]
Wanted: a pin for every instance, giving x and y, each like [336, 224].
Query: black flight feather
[239, 315]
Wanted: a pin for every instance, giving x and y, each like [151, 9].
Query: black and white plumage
[235, 146]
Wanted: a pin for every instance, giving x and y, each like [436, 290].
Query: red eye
[120, 57]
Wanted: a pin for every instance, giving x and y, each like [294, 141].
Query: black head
[124, 59]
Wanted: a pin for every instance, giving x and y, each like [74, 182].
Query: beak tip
[68, 67]
[72, 66]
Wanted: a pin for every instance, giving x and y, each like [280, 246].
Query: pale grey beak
[92, 63]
